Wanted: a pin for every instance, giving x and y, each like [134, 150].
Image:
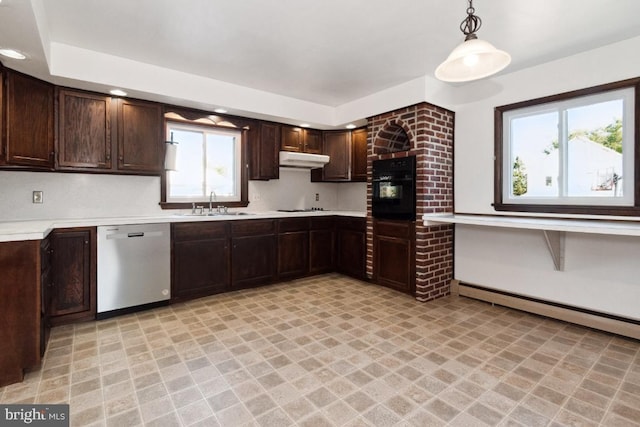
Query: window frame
[502, 203]
[198, 118]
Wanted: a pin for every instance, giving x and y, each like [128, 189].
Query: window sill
[569, 209]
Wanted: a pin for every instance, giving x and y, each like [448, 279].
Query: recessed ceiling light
[350, 126]
[220, 110]
[304, 125]
[12, 53]
[118, 92]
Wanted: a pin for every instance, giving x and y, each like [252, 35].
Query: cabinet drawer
[252, 227]
[355, 224]
[293, 224]
[199, 230]
[400, 229]
[321, 223]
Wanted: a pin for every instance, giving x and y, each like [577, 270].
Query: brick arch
[395, 136]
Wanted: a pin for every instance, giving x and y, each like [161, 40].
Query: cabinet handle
[86, 242]
[108, 157]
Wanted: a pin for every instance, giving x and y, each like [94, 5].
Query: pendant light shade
[170, 154]
[473, 59]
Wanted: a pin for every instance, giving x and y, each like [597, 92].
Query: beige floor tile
[330, 350]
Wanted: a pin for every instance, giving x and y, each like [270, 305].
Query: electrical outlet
[37, 196]
[317, 197]
[256, 197]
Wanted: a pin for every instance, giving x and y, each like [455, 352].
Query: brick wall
[425, 131]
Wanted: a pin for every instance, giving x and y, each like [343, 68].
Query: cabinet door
[337, 145]
[20, 299]
[293, 254]
[351, 253]
[29, 126]
[45, 293]
[200, 263]
[140, 142]
[291, 138]
[359, 155]
[2, 90]
[200, 268]
[394, 254]
[321, 250]
[312, 141]
[74, 275]
[393, 263]
[264, 149]
[253, 260]
[84, 126]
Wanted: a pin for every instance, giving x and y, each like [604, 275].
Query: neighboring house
[595, 171]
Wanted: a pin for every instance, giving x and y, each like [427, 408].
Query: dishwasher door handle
[138, 234]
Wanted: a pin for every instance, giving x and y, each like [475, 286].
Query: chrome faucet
[212, 197]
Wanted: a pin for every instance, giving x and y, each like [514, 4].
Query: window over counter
[574, 153]
[209, 164]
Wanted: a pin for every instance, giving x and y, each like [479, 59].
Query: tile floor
[333, 351]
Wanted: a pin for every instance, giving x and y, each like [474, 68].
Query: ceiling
[328, 52]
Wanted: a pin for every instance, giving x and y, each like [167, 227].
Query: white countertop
[39, 229]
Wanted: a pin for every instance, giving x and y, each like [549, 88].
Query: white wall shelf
[553, 229]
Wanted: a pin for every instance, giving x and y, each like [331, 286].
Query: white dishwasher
[134, 268]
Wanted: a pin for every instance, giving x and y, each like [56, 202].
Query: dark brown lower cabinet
[20, 313]
[46, 281]
[253, 253]
[293, 248]
[322, 242]
[351, 246]
[200, 259]
[394, 257]
[73, 289]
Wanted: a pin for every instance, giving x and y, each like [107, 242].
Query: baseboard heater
[592, 319]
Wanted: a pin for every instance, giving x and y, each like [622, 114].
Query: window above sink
[209, 164]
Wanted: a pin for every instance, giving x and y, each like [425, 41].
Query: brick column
[425, 131]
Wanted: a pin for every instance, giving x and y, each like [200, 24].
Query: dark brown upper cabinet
[84, 126]
[291, 139]
[312, 141]
[140, 142]
[337, 145]
[359, 155]
[347, 151]
[2, 90]
[93, 129]
[301, 140]
[264, 147]
[28, 111]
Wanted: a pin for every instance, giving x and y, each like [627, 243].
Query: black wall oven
[394, 189]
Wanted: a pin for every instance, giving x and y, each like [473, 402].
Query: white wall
[77, 195]
[602, 272]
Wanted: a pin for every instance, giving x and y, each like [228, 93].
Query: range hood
[302, 160]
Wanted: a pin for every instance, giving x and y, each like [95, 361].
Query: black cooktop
[300, 210]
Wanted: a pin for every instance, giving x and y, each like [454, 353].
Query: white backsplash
[78, 195]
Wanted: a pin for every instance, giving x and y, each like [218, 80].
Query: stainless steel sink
[217, 214]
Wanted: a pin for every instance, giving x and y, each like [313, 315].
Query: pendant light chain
[471, 23]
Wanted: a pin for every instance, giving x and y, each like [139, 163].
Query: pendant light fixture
[473, 59]
[170, 154]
